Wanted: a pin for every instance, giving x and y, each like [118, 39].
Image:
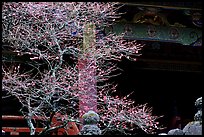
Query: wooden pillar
[70, 129]
[87, 69]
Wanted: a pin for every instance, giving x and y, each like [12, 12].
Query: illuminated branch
[46, 32]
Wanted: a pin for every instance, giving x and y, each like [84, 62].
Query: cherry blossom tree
[48, 32]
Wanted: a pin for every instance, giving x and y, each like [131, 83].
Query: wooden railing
[71, 129]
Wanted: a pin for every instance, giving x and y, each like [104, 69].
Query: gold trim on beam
[171, 61]
[172, 65]
[161, 6]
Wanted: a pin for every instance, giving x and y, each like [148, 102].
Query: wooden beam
[168, 5]
[11, 117]
[171, 61]
[171, 65]
[20, 129]
[172, 34]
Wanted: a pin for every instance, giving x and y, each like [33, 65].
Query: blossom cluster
[46, 32]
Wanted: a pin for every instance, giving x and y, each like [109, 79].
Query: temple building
[168, 74]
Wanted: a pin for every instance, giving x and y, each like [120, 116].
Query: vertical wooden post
[87, 69]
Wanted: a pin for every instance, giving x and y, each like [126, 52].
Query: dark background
[170, 93]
